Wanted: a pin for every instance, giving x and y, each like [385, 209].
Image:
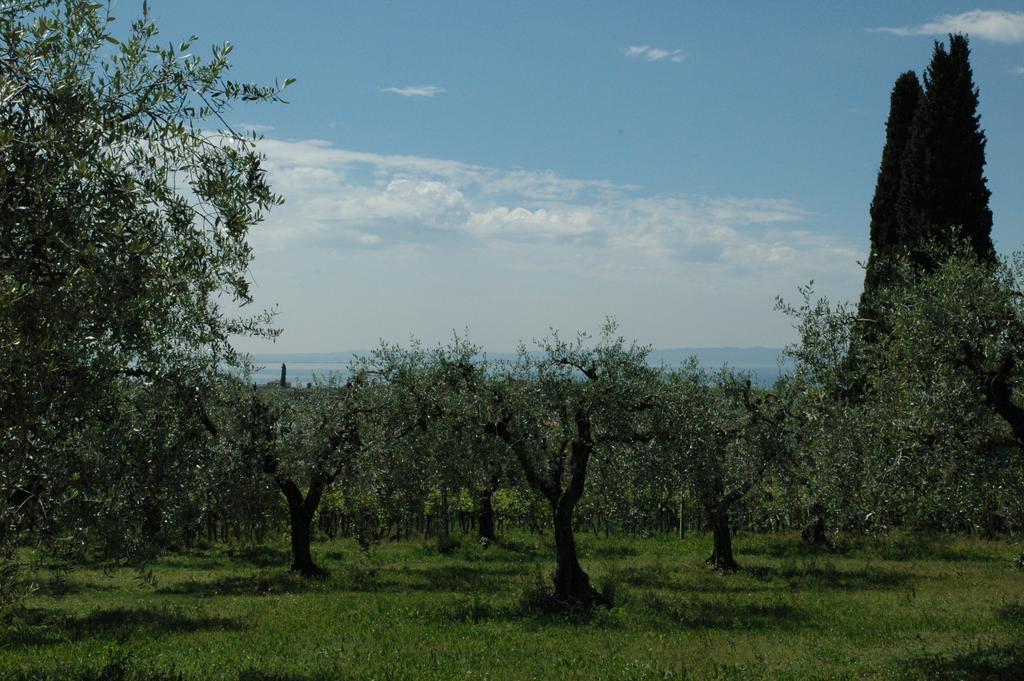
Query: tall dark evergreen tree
[886, 238]
[943, 184]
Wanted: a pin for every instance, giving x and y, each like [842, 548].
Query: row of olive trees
[416, 423]
[928, 442]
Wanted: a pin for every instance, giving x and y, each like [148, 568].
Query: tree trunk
[572, 584]
[485, 517]
[300, 518]
[721, 556]
[682, 516]
[302, 535]
[814, 533]
[445, 543]
[152, 523]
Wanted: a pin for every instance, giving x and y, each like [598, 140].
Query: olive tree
[125, 205]
[929, 442]
[722, 436]
[955, 346]
[434, 413]
[555, 412]
[306, 441]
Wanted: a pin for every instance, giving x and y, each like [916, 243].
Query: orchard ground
[946, 608]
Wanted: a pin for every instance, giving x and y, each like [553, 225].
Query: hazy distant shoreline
[305, 367]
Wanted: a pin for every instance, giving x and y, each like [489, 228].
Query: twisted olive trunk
[721, 555]
[814, 533]
[572, 584]
[300, 518]
[485, 510]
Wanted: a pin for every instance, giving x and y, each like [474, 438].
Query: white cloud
[371, 246]
[415, 90]
[998, 26]
[255, 127]
[1019, 71]
[343, 199]
[653, 53]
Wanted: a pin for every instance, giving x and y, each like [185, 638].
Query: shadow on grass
[898, 549]
[58, 588]
[651, 612]
[694, 613]
[816, 577]
[651, 576]
[40, 628]
[477, 609]
[261, 556]
[458, 577]
[354, 577]
[608, 551]
[260, 584]
[193, 561]
[1011, 613]
[991, 663]
[788, 547]
[258, 675]
[533, 549]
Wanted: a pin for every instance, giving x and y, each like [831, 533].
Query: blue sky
[510, 167]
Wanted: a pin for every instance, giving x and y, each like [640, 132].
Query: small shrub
[535, 595]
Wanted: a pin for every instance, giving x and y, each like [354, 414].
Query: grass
[926, 609]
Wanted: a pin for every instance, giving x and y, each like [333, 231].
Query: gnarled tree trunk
[485, 517]
[572, 584]
[485, 510]
[721, 555]
[300, 518]
[814, 533]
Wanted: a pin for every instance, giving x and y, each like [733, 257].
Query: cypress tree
[886, 239]
[943, 184]
[284, 376]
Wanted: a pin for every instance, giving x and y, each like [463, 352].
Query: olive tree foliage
[957, 336]
[433, 410]
[308, 442]
[859, 454]
[573, 403]
[721, 437]
[823, 388]
[125, 205]
[930, 440]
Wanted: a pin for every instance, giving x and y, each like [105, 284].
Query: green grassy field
[950, 608]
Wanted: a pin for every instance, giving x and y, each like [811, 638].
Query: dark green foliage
[885, 237]
[931, 187]
[943, 191]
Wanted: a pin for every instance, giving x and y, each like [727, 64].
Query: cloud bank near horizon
[341, 199]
